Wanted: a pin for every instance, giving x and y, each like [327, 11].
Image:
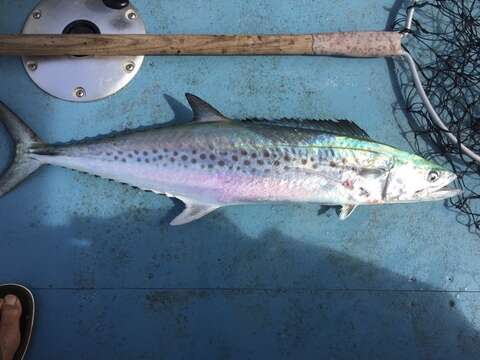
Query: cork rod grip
[369, 44]
[358, 44]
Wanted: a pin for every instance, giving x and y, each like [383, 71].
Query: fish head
[415, 179]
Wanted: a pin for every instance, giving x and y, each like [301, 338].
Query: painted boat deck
[114, 281]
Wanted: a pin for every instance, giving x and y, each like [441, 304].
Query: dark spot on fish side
[276, 163]
[212, 157]
[286, 168]
[184, 157]
[238, 168]
[312, 159]
[136, 152]
[124, 160]
[246, 162]
[333, 164]
[120, 152]
[254, 155]
[175, 153]
[203, 156]
[451, 303]
[235, 158]
[210, 166]
[109, 153]
[304, 161]
[160, 157]
[147, 161]
[260, 162]
[266, 153]
[165, 150]
[315, 166]
[364, 192]
[221, 163]
[145, 153]
[115, 157]
[139, 160]
[223, 153]
[172, 159]
[243, 152]
[130, 155]
[344, 161]
[254, 170]
[194, 152]
[194, 161]
[287, 158]
[155, 151]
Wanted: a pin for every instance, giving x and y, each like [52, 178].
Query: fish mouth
[438, 194]
[441, 191]
[446, 192]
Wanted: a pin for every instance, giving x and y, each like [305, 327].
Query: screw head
[131, 15]
[80, 92]
[32, 66]
[129, 67]
[37, 14]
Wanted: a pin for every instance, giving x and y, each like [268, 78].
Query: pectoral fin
[193, 211]
[346, 211]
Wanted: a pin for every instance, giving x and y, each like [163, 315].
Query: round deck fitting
[82, 78]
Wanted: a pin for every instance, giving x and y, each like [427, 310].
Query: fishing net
[445, 42]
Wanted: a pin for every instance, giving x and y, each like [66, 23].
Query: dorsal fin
[336, 127]
[203, 111]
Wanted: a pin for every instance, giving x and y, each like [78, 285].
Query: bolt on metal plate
[82, 78]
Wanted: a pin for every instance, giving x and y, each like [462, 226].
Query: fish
[213, 161]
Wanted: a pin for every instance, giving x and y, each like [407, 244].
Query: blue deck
[114, 281]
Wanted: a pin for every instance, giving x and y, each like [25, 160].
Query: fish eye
[433, 176]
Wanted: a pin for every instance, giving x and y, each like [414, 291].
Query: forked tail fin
[24, 139]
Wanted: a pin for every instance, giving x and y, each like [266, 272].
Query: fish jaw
[436, 195]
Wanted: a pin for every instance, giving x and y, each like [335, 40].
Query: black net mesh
[445, 42]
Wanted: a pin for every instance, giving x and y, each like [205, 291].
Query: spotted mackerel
[214, 162]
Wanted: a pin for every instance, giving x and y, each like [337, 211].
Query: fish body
[214, 162]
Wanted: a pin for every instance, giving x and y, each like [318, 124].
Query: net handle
[349, 44]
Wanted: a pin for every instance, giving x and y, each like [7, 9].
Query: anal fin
[346, 211]
[193, 211]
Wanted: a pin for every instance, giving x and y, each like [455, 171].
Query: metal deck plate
[82, 78]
